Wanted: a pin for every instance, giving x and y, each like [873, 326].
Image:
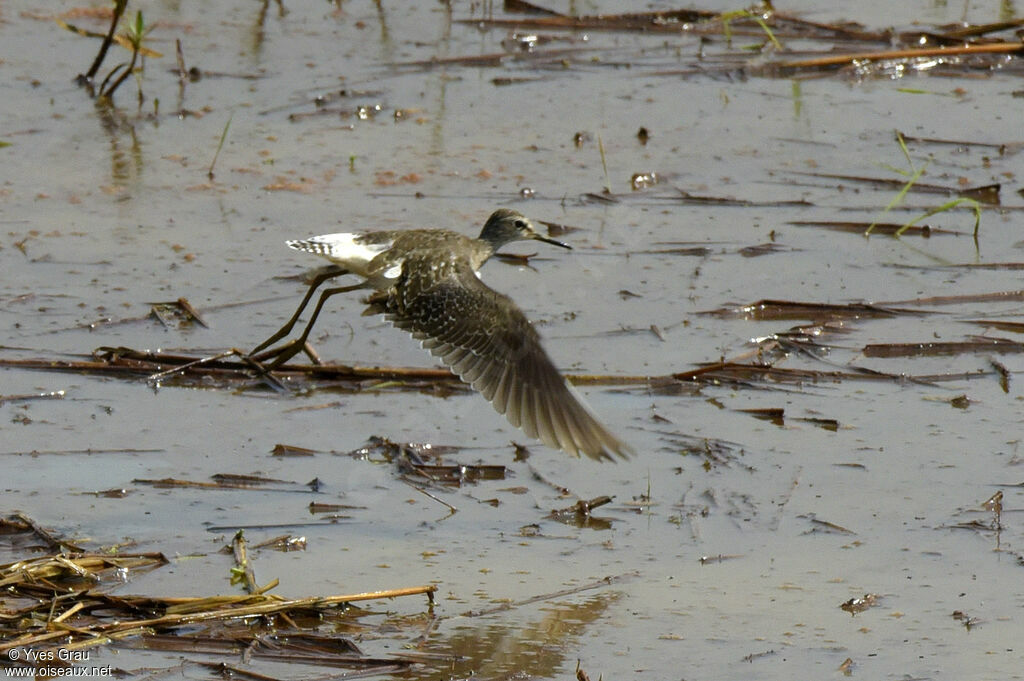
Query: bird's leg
[282, 354]
[319, 279]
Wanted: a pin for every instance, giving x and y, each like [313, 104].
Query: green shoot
[223, 136]
[914, 175]
[604, 164]
[949, 205]
[727, 17]
[903, 147]
[898, 199]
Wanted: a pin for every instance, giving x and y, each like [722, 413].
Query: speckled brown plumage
[426, 282]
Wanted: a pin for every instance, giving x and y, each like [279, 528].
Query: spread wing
[485, 339]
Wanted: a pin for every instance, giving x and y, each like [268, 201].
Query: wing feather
[485, 339]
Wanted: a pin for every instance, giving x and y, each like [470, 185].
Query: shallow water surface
[734, 536]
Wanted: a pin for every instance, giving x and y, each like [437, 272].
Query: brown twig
[119, 8]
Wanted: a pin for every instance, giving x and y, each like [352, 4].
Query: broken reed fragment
[942, 349]
[881, 228]
[767, 309]
[736, 373]
[884, 51]
[65, 602]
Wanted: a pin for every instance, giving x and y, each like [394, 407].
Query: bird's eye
[519, 224]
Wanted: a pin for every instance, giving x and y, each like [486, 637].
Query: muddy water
[732, 540]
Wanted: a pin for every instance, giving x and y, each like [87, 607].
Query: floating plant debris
[580, 512]
[939, 349]
[180, 310]
[996, 297]
[67, 600]
[763, 310]
[985, 194]
[229, 481]
[857, 605]
[882, 228]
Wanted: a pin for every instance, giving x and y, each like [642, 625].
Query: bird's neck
[482, 252]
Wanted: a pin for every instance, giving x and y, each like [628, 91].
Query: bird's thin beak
[553, 242]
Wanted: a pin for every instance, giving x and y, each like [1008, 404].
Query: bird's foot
[282, 353]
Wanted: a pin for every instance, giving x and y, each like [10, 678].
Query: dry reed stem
[882, 55]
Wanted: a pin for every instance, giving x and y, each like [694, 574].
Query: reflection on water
[537, 646]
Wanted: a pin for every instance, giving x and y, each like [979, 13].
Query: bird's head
[506, 225]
